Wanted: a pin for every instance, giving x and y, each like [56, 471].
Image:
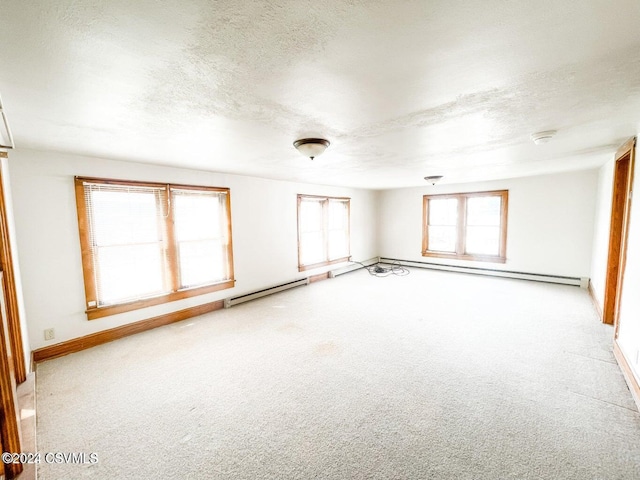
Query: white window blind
[144, 243]
[127, 241]
[201, 236]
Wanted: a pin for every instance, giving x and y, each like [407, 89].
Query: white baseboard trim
[352, 267]
[582, 282]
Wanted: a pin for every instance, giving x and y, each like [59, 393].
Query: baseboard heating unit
[352, 267]
[577, 281]
[231, 301]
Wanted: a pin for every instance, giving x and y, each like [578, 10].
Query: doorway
[620, 211]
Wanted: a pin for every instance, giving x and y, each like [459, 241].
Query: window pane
[201, 262]
[310, 216]
[338, 244]
[323, 229]
[443, 211]
[338, 229]
[197, 216]
[127, 241]
[311, 248]
[128, 272]
[483, 240]
[201, 236]
[484, 211]
[442, 239]
[124, 217]
[338, 218]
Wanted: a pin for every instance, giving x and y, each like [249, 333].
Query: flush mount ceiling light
[6, 139]
[433, 179]
[543, 137]
[311, 147]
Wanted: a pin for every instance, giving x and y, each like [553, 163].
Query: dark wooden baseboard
[98, 338]
[594, 300]
[628, 373]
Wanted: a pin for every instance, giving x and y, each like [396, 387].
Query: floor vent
[538, 277]
[231, 301]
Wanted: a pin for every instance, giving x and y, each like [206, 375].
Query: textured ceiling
[402, 89]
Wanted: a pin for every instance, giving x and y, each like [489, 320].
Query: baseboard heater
[538, 277]
[231, 301]
[354, 266]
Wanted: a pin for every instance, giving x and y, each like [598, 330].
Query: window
[145, 243]
[469, 226]
[323, 231]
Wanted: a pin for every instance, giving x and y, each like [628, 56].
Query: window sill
[473, 258]
[302, 268]
[99, 312]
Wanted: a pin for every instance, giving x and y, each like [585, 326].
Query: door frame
[10, 431]
[619, 231]
[9, 284]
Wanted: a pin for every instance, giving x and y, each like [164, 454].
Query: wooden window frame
[175, 292]
[460, 254]
[327, 261]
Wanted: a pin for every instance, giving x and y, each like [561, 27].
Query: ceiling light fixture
[6, 139]
[311, 147]
[543, 137]
[433, 179]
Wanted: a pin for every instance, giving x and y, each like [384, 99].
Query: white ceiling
[402, 89]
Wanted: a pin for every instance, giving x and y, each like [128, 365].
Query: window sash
[477, 234]
[199, 244]
[323, 231]
[139, 235]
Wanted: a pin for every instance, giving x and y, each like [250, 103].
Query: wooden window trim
[301, 267]
[175, 293]
[461, 227]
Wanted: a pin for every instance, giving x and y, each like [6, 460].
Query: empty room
[332, 240]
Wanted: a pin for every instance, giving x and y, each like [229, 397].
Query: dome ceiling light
[433, 179]
[311, 147]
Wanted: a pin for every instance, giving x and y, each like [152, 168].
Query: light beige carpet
[433, 375]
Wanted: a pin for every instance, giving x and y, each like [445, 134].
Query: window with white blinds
[145, 244]
[323, 231]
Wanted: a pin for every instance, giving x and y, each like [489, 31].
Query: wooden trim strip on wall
[627, 373]
[98, 338]
[618, 231]
[317, 278]
[10, 433]
[594, 300]
[10, 291]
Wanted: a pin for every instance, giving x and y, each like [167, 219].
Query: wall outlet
[49, 334]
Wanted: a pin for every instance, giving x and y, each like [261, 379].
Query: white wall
[602, 226]
[550, 223]
[264, 228]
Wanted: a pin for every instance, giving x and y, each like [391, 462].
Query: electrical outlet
[49, 334]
